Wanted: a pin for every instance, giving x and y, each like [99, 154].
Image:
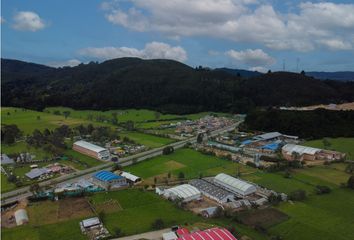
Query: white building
[234, 185]
[21, 217]
[185, 192]
[169, 236]
[91, 150]
[130, 177]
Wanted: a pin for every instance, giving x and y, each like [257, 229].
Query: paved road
[24, 192]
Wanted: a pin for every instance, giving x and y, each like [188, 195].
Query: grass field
[27, 120]
[134, 115]
[147, 139]
[319, 217]
[345, 145]
[188, 161]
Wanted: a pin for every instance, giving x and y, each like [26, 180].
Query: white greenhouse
[234, 185]
[185, 192]
[21, 217]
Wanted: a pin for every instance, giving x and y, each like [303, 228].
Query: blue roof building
[106, 176]
[108, 179]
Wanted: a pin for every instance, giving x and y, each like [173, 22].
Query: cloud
[2, 20]
[250, 57]
[305, 27]
[152, 50]
[28, 21]
[68, 63]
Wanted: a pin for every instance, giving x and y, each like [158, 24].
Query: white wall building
[91, 150]
[234, 185]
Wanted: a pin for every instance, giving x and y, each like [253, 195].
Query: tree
[200, 137]
[10, 133]
[118, 232]
[322, 189]
[167, 150]
[102, 216]
[169, 175]
[38, 117]
[11, 178]
[350, 182]
[158, 224]
[326, 143]
[181, 175]
[114, 118]
[34, 188]
[303, 73]
[66, 114]
[129, 125]
[297, 195]
[157, 115]
[349, 168]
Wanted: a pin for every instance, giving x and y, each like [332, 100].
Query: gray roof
[184, 191]
[90, 146]
[269, 135]
[34, 173]
[91, 222]
[6, 160]
[234, 184]
[210, 189]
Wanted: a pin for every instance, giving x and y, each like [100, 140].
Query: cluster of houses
[41, 173]
[267, 144]
[223, 190]
[122, 149]
[190, 128]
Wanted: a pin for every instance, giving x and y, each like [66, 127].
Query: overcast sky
[248, 34]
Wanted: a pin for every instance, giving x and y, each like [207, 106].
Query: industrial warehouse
[109, 180]
[203, 196]
[301, 153]
[91, 150]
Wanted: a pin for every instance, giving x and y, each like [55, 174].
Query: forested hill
[164, 85]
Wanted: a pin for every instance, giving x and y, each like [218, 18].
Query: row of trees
[314, 124]
[10, 133]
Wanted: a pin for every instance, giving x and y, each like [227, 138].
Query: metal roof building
[234, 185]
[130, 177]
[185, 192]
[90, 222]
[6, 160]
[108, 179]
[267, 136]
[211, 191]
[36, 172]
[209, 234]
[290, 148]
[106, 176]
[91, 150]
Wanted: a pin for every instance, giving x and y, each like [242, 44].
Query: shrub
[168, 150]
[158, 224]
[350, 182]
[251, 164]
[297, 195]
[322, 189]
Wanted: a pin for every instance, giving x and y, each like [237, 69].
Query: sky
[248, 34]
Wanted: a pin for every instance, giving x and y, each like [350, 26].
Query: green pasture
[147, 139]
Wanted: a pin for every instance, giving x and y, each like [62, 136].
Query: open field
[147, 139]
[27, 120]
[188, 161]
[135, 115]
[345, 145]
[327, 216]
[88, 161]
